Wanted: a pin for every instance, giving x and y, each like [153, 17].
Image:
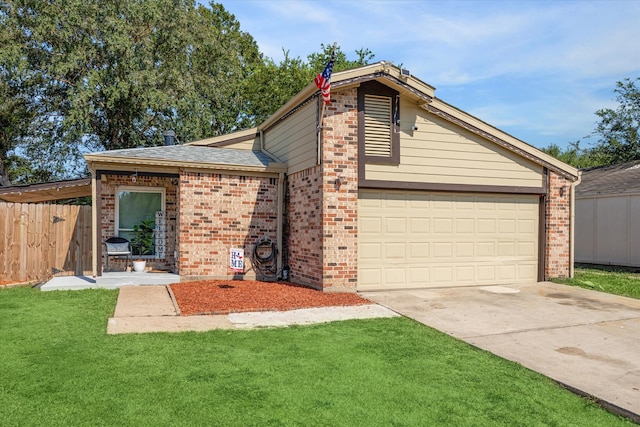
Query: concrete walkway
[589, 341]
[153, 309]
[110, 280]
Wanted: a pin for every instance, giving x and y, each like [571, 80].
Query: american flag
[323, 80]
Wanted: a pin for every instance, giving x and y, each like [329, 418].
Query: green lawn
[606, 280]
[59, 368]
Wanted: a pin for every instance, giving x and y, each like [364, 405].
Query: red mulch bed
[224, 297]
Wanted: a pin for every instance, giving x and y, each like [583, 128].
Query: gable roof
[424, 95]
[192, 156]
[613, 179]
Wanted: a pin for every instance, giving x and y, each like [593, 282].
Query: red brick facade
[109, 185]
[303, 229]
[558, 227]
[322, 205]
[219, 212]
[340, 193]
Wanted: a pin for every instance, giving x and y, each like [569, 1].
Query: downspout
[280, 226]
[572, 230]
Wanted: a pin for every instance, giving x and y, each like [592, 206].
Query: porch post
[94, 223]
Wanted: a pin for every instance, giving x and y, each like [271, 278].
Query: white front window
[134, 205]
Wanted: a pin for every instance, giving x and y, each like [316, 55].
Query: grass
[59, 368]
[613, 281]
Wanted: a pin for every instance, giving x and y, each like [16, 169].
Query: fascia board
[167, 166]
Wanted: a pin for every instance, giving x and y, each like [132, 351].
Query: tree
[272, 85]
[573, 155]
[92, 75]
[102, 75]
[618, 129]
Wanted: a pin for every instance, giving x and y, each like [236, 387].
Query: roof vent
[169, 137]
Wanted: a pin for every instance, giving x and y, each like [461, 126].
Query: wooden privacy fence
[43, 240]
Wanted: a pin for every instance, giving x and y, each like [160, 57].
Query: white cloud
[539, 68]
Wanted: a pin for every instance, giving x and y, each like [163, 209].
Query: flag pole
[320, 82]
[324, 104]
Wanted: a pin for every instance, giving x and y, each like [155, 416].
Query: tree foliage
[273, 84]
[617, 131]
[92, 75]
[101, 75]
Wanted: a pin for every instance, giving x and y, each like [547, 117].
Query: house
[388, 187]
[607, 213]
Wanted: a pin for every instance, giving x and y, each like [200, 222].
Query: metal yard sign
[236, 259]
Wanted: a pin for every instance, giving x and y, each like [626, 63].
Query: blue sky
[538, 70]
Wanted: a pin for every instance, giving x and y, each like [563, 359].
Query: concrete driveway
[587, 340]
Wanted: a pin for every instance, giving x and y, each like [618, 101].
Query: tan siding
[440, 152]
[293, 141]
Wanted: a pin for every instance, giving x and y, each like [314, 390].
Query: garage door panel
[419, 225]
[395, 225]
[465, 249]
[410, 239]
[443, 275]
[506, 249]
[419, 276]
[395, 276]
[486, 273]
[395, 250]
[507, 226]
[464, 274]
[487, 226]
[465, 225]
[526, 249]
[442, 250]
[370, 225]
[442, 225]
[370, 251]
[506, 273]
[419, 251]
[486, 249]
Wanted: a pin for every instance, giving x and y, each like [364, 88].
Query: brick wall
[558, 220]
[109, 183]
[322, 205]
[219, 212]
[303, 226]
[340, 190]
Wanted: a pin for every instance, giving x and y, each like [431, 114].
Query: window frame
[136, 189]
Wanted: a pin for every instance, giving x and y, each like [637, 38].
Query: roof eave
[169, 166]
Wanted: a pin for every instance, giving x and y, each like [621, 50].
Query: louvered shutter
[377, 121]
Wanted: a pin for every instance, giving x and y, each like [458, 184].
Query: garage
[415, 239]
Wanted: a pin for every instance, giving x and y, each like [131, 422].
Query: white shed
[608, 215]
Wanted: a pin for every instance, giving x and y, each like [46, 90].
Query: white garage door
[412, 239]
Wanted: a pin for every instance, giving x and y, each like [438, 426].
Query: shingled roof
[189, 154]
[614, 179]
